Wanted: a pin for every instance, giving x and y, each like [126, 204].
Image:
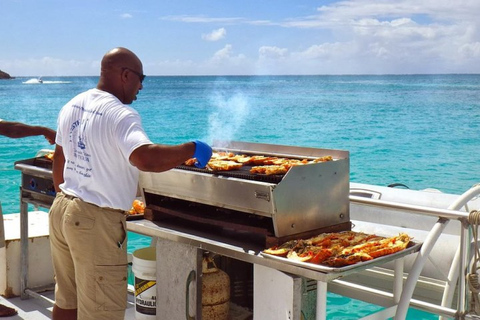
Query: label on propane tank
[145, 296]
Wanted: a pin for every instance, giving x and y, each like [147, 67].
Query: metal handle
[190, 279]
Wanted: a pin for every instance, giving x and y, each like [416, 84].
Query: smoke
[228, 118]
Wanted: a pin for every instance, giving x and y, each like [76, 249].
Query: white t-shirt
[98, 133]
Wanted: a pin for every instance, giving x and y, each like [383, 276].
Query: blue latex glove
[203, 153]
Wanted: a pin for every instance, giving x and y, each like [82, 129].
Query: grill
[37, 181]
[308, 199]
[37, 189]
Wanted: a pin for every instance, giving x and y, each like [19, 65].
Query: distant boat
[34, 81]
[39, 81]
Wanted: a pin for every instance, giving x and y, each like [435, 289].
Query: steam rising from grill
[228, 118]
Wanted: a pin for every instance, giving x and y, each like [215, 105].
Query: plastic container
[145, 282]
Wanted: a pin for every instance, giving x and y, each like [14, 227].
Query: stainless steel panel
[284, 292]
[176, 262]
[278, 150]
[223, 192]
[312, 197]
[34, 170]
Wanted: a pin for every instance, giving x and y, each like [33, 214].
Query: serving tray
[411, 248]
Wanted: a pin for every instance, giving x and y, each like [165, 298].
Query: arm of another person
[58, 164]
[19, 130]
[158, 158]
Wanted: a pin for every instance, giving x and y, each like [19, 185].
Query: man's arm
[58, 165]
[158, 158]
[19, 130]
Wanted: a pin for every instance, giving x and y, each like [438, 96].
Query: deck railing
[460, 263]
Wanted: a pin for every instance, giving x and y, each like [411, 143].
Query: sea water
[418, 130]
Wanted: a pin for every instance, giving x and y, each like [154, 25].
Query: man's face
[133, 84]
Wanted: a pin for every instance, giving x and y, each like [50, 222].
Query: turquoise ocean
[418, 130]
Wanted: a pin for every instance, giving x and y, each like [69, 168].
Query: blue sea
[418, 130]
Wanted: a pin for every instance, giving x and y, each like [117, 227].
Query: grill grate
[242, 173]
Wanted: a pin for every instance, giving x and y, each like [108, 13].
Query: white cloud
[328, 51]
[268, 52]
[202, 19]
[126, 16]
[224, 53]
[225, 61]
[215, 35]
[470, 50]
[441, 10]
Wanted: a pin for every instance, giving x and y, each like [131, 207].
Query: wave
[54, 82]
[40, 81]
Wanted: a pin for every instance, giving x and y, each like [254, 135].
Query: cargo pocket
[111, 287]
[78, 222]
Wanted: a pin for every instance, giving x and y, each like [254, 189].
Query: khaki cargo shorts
[89, 255]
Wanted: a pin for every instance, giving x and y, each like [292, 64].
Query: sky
[242, 37]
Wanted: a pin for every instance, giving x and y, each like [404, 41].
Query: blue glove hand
[203, 153]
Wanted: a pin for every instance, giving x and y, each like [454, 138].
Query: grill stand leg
[321, 313]
[24, 249]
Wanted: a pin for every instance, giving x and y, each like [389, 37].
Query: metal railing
[459, 267]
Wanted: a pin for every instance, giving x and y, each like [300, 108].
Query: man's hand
[50, 134]
[203, 153]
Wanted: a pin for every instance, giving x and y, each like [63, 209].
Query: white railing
[461, 260]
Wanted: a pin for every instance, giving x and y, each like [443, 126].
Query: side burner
[37, 180]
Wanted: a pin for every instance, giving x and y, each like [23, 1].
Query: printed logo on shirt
[77, 131]
[80, 163]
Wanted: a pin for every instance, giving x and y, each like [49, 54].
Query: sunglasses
[140, 75]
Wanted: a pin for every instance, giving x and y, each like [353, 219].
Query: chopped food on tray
[49, 155]
[340, 249]
[138, 207]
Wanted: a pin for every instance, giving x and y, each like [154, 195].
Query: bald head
[118, 67]
[119, 58]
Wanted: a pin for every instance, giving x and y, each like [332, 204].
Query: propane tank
[215, 291]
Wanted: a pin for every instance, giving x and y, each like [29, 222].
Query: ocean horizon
[251, 75]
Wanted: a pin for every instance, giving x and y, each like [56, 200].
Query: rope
[473, 277]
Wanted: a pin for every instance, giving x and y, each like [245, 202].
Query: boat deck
[38, 309]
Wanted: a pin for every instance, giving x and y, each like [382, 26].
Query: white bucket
[144, 270]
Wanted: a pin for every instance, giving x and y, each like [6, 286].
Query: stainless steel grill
[37, 189]
[37, 181]
[307, 198]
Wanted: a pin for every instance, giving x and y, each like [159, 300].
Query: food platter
[411, 248]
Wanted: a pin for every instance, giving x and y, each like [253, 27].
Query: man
[100, 148]
[19, 130]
